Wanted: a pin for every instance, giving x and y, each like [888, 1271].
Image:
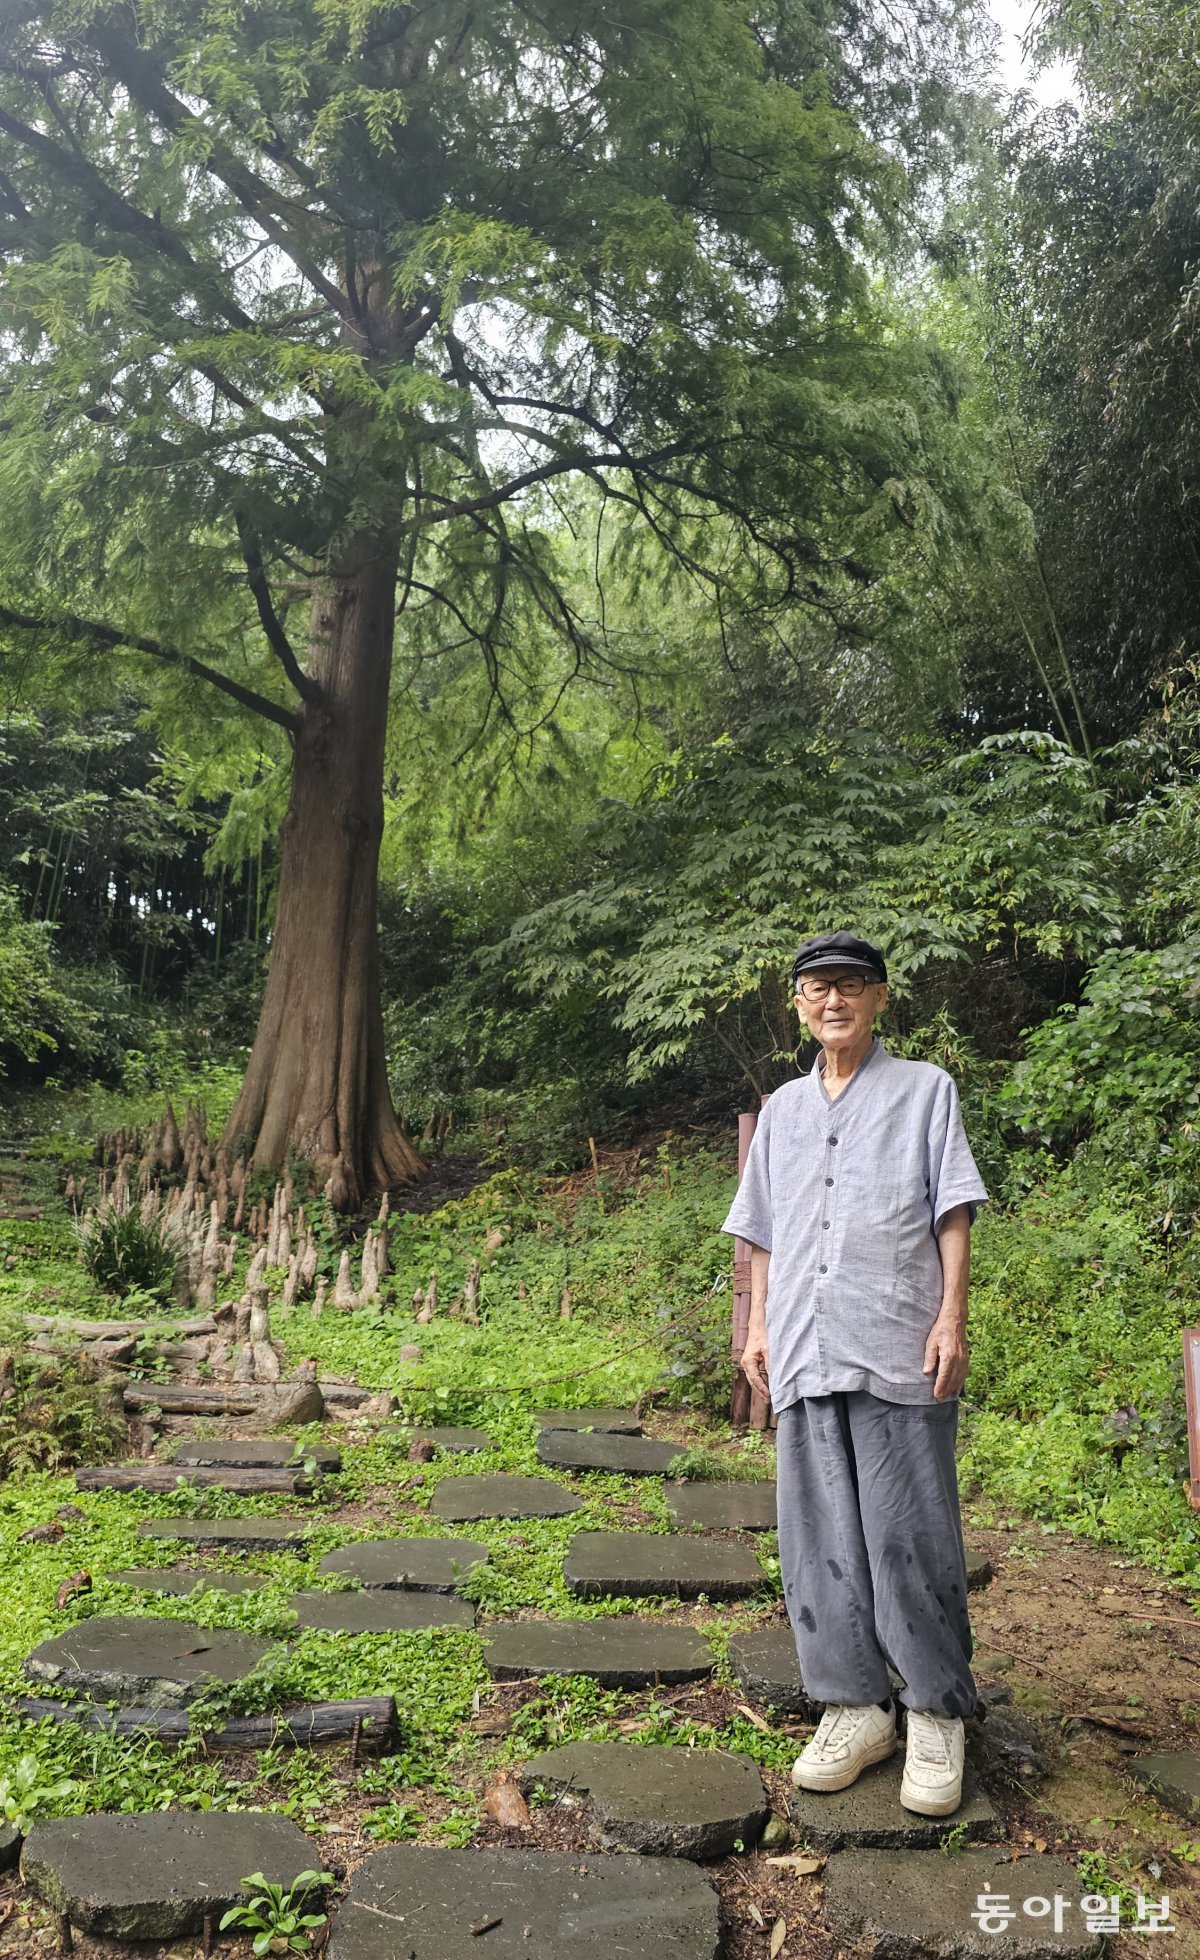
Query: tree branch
[94, 633]
[307, 688]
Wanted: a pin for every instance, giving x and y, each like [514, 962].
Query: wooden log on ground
[113, 1330]
[165, 1476]
[306, 1727]
[345, 1395]
[195, 1399]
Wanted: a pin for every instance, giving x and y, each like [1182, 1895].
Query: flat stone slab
[870, 1813]
[154, 1877]
[614, 1422]
[598, 1449]
[420, 1564]
[902, 1902]
[181, 1579]
[1172, 1776]
[768, 1671]
[723, 1507]
[257, 1453]
[427, 1904]
[658, 1800]
[250, 1534]
[644, 1564]
[460, 1499]
[457, 1442]
[979, 1571]
[380, 1611]
[157, 1663]
[617, 1653]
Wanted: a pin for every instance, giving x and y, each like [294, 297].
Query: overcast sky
[1013, 17]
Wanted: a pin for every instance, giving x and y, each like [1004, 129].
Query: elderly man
[857, 1198]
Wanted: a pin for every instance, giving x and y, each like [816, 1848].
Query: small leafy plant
[24, 1797]
[126, 1253]
[275, 1914]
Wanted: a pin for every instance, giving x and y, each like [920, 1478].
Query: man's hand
[756, 1362]
[946, 1350]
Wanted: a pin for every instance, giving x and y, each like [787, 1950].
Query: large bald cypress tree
[308, 307]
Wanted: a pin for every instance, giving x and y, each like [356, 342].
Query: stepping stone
[257, 1453]
[459, 1499]
[155, 1877]
[644, 1564]
[249, 1534]
[614, 1422]
[723, 1507]
[1172, 1776]
[378, 1611]
[768, 1670]
[658, 1800]
[922, 1902]
[870, 1813]
[617, 1653]
[158, 1663]
[458, 1442]
[630, 1456]
[419, 1564]
[428, 1904]
[179, 1579]
[979, 1571]
[10, 1846]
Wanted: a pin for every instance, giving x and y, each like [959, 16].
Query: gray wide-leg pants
[871, 1549]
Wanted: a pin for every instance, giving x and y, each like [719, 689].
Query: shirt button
[824, 1269]
[833, 1139]
[826, 1224]
[829, 1180]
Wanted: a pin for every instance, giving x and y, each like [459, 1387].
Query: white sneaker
[933, 1765]
[847, 1738]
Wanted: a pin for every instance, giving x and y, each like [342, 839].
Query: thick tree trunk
[316, 1086]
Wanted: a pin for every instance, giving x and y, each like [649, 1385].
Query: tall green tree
[312, 305]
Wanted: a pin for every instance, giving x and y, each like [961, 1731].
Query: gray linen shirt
[847, 1194]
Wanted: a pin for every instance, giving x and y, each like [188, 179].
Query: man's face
[839, 1020]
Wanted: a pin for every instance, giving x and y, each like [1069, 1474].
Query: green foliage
[30, 1000]
[125, 1253]
[275, 1913]
[58, 1416]
[25, 1796]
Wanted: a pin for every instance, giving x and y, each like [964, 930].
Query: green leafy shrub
[57, 1416]
[275, 1914]
[25, 1795]
[126, 1253]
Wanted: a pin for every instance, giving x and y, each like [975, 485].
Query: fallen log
[373, 1719]
[226, 1399]
[165, 1476]
[114, 1330]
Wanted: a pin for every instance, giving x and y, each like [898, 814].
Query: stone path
[922, 1902]
[624, 1653]
[629, 1456]
[723, 1507]
[618, 1422]
[460, 1500]
[661, 1801]
[380, 1610]
[870, 1815]
[1173, 1776]
[155, 1877]
[183, 1579]
[156, 1663]
[457, 1442]
[768, 1669]
[642, 1564]
[246, 1534]
[420, 1564]
[650, 1809]
[258, 1453]
[424, 1904]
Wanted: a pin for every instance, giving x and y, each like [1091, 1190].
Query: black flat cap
[838, 949]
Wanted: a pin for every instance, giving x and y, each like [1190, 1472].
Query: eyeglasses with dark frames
[849, 986]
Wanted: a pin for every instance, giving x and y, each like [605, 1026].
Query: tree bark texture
[316, 1085]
